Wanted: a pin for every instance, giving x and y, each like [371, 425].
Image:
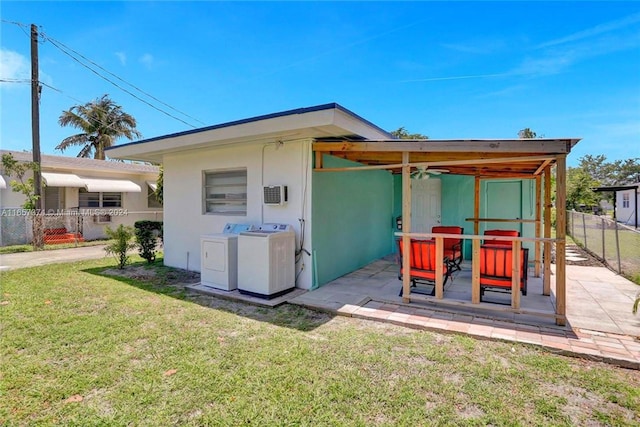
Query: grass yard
[82, 349]
[29, 248]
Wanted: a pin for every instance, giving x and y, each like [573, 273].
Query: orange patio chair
[422, 257]
[452, 247]
[496, 268]
[510, 233]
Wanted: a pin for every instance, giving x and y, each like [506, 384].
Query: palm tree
[102, 122]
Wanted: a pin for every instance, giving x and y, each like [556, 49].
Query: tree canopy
[526, 133]
[402, 133]
[102, 122]
[596, 171]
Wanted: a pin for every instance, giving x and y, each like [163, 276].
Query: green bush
[147, 233]
[121, 243]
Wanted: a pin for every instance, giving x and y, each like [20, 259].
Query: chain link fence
[616, 244]
[70, 226]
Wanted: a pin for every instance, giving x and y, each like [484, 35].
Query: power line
[53, 41]
[116, 85]
[72, 54]
[21, 25]
[5, 80]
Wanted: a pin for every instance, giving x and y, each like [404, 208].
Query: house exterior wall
[352, 219]
[457, 201]
[626, 215]
[185, 222]
[16, 228]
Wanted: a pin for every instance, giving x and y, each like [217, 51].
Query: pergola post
[476, 206]
[561, 225]
[406, 226]
[546, 253]
[536, 269]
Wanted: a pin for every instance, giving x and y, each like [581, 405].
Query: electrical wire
[53, 41]
[62, 49]
[66, 50]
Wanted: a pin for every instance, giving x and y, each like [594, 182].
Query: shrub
[121, 243]
[147, 238]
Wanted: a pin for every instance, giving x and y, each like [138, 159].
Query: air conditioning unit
[275, 194]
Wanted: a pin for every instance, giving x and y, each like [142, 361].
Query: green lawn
[82, 349]
[29, 248]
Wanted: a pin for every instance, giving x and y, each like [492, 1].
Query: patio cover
[152, 185]
[62, 180]
[3, 183]
[96, 185]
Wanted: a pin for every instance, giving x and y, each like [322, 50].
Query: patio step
[57, 239]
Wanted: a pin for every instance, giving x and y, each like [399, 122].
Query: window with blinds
[225, 192]
[88, 199]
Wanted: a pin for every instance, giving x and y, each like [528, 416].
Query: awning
[3, 183]
[153, 185]
[95, 185]
[62, 180]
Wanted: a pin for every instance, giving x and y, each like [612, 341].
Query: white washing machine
[267, 260]
[219, 257]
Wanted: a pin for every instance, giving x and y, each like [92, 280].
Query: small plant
[121, 243]
[636, 303]
[147, 238]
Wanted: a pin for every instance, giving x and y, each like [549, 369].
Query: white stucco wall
[184, 221]
[134, 208]
[626, 215]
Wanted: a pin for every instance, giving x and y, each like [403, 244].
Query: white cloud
[147, 60]
[594, 31]
[13, 66]
[122, 57]
[477, 47]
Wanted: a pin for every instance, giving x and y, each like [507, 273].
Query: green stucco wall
[352, 215]
[457, 200]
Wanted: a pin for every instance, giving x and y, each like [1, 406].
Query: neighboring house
[82, 196]
[343, 218]
[627, 202]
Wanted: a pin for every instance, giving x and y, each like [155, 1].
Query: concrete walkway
[53, 256]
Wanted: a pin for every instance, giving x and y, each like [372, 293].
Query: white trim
[95, 185]
[62, 180]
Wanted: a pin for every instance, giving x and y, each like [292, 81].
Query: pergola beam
[550, 146]
[469, 162]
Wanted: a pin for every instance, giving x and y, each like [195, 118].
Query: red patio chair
[452, 247]
[423, 264]
[510, 233]
[496, 263]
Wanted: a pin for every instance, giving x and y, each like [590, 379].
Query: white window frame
[224, 192]
[625, 200]
[152, 199]
[102, 199]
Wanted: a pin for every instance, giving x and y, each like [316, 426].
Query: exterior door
[425, 204]
[503, 200]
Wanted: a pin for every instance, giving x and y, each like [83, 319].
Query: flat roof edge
[295, 111]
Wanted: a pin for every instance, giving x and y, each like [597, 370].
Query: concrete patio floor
[600, 324]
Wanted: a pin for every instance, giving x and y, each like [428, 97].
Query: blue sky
[444, 69]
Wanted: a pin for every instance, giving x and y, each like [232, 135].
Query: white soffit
[152, 185]
[62, 180]
[3, 183]
[95, 185]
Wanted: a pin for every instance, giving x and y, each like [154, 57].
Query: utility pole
[38, 217]
[35, 117]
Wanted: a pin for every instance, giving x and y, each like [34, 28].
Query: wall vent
[275, 194]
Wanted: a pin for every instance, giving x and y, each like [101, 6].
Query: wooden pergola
[482, 159]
